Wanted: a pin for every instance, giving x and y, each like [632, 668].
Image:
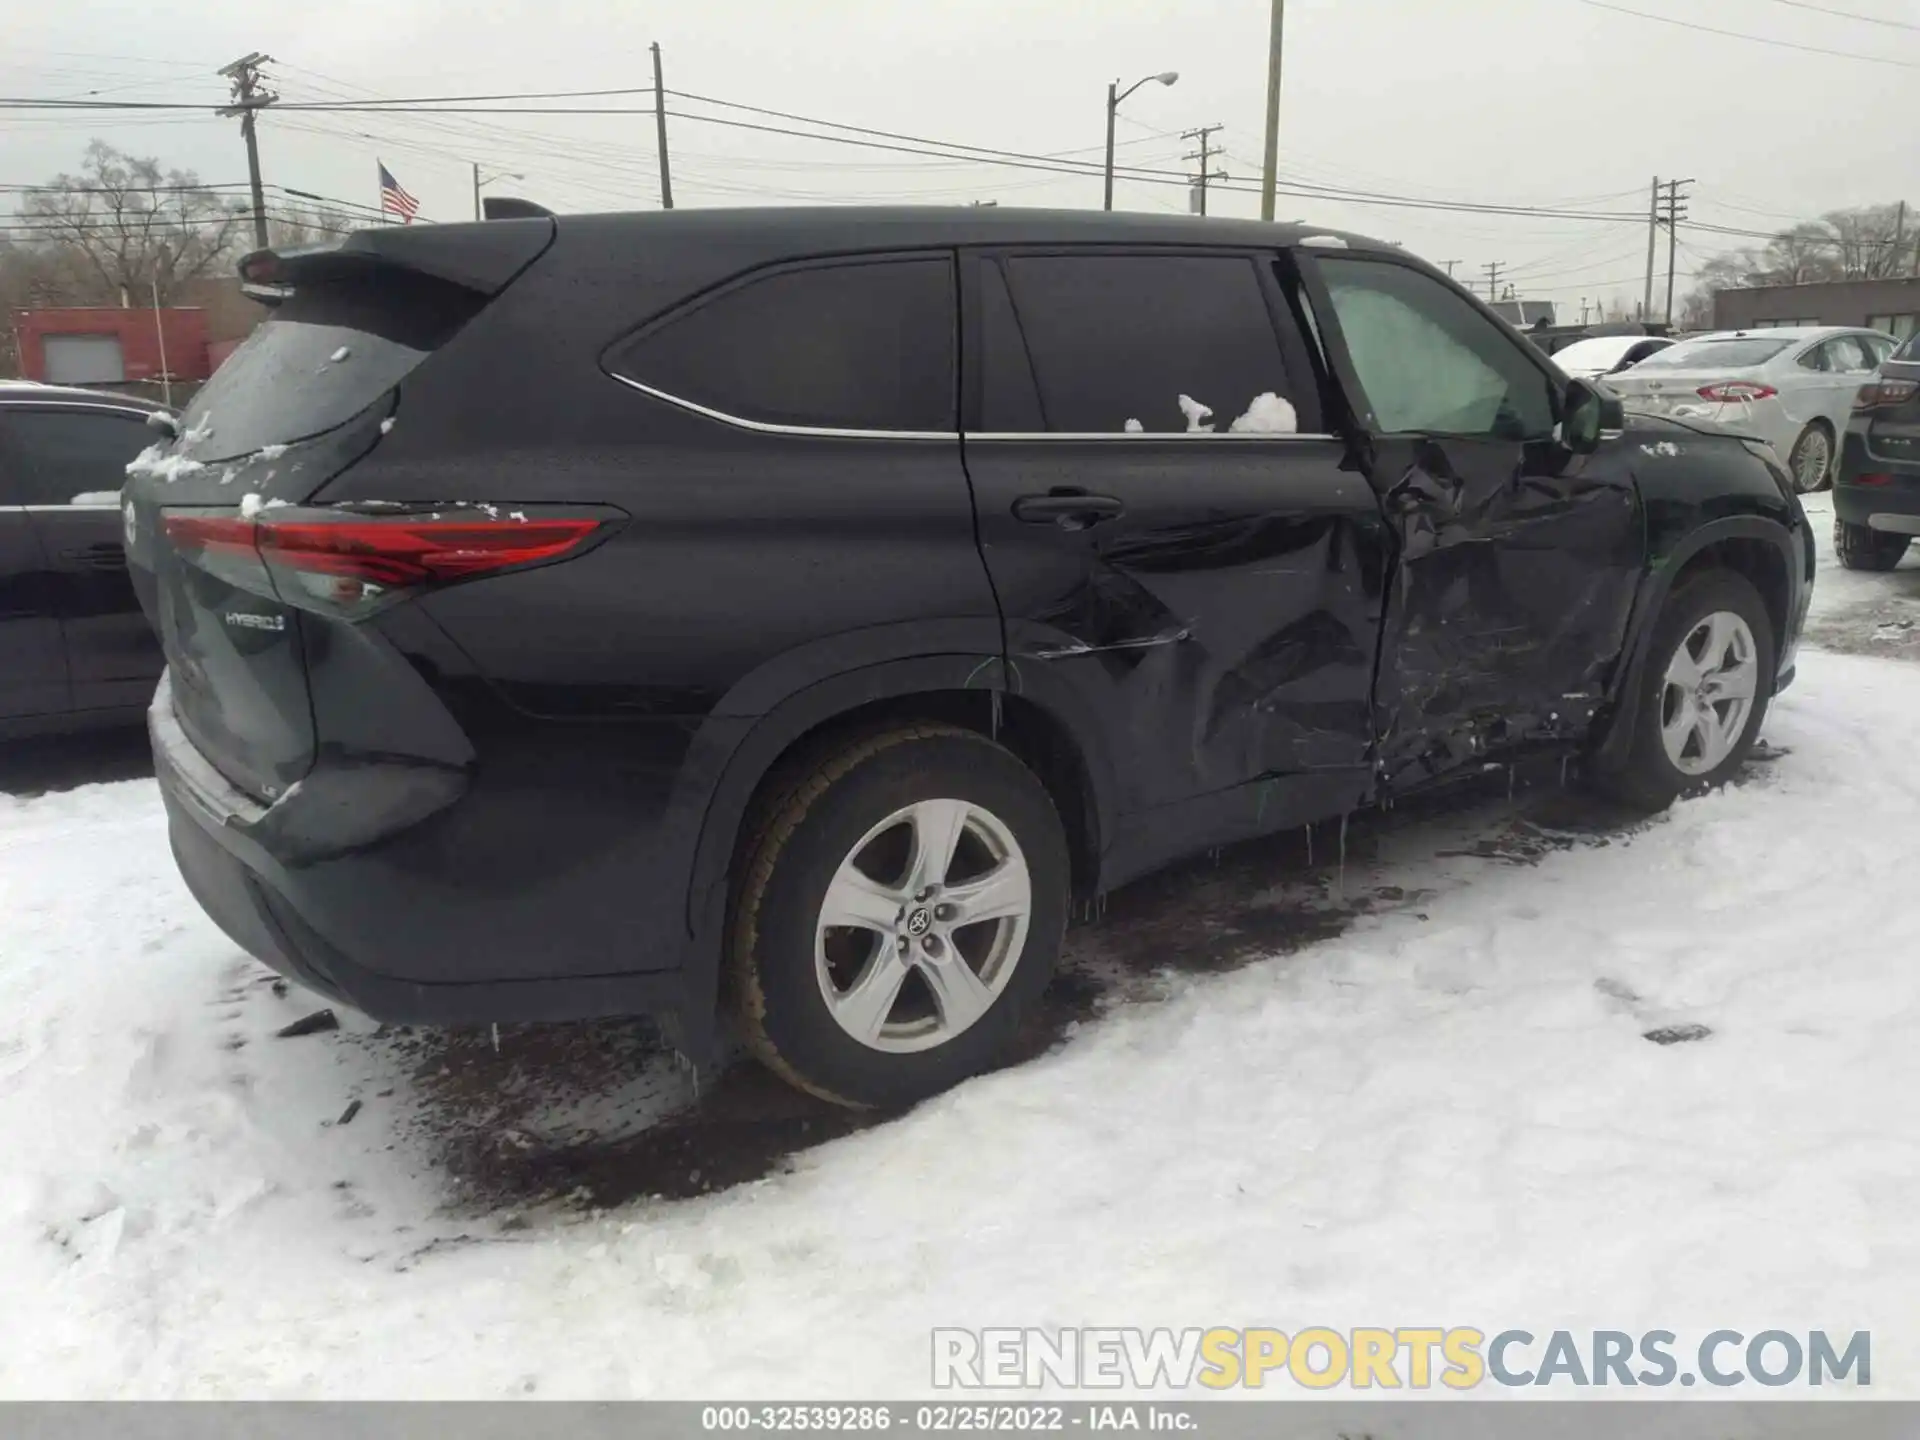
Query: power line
[423, 102]
[1016, 160]
[1849, 15]
[1755, 39]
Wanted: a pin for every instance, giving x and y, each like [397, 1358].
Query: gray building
[1889, 305]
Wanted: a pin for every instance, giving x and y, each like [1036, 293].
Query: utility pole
[1205, 154]
[1493, 269]
[1899, 239]
[1653, 231]
[249, 99]
[660, 126]
[1674, 216]
[1270, 156]
[476, 190]
[1449, 264]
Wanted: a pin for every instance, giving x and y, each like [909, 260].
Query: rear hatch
[314, 390]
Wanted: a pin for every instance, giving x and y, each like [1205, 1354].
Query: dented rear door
[1516, 560]
[1176, 542]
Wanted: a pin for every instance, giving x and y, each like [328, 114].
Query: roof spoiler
[481, 258]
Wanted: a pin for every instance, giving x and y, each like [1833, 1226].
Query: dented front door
[1515, 561]
[1209, 596]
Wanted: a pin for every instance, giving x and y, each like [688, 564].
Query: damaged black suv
[789, 614]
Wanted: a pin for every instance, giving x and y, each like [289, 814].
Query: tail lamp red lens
[354, 563]
[1733, 392]
[1877, 393]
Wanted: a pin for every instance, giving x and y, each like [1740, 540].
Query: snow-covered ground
[1431, 1103]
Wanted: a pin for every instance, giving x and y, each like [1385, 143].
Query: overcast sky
[1562, 103]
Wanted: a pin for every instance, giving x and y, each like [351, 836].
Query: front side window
[1429, 362]
[1145, 344]
[864, 345]
[68, 457]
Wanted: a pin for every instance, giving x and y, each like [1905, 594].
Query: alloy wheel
[1811, 457]
[1709, 692]
[923, 925]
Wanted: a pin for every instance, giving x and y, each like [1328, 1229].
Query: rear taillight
[1876, 393]
[349, 563]
[1872, 480]
[1733, 392]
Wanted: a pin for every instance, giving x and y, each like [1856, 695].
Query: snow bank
[1448, 1115]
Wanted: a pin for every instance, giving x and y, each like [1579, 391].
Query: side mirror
[1588, 411]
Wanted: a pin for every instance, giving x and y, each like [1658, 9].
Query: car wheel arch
[978, 693]
[1758, 548]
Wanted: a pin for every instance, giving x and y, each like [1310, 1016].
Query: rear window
[1910, 350]
[1717, 354]
[867, 345]
[327, 353]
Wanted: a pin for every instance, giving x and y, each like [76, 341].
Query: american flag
[394, 199]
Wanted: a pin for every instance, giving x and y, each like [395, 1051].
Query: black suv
[1876, 496]
[75, 651]
[794, 612]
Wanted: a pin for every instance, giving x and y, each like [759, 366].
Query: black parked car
[1876, 497]
[795, 611]
[75, 651]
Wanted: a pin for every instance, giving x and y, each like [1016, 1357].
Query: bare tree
[316, 225]
[1873, 242]
[128, 228]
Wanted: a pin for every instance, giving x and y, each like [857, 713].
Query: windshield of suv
[1723, 354]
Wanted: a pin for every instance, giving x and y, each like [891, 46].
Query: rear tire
[1811, 461]
[1694, 726]
[1860, 548]
[912, 996]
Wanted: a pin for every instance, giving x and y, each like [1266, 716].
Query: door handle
[1069, 509]
[97, 557]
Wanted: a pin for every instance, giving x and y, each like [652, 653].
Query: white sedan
[1607, 354]
[1792, 387]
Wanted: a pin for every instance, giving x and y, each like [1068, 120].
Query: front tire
[1811, 460]
[900, 912]
[1703, 695]
[1860, 548]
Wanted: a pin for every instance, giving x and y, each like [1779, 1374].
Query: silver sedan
[1793, 388]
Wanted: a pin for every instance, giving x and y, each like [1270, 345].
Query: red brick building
[113, 347]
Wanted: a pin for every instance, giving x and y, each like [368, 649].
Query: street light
[478, 181]
[1165, 77]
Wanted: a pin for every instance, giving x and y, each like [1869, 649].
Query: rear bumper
[1892, 505]
[234, 854]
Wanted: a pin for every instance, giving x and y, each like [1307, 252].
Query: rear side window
[854, 346]
[326, 353]
[1910, 350]
[67, 457]
[1154, 343]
